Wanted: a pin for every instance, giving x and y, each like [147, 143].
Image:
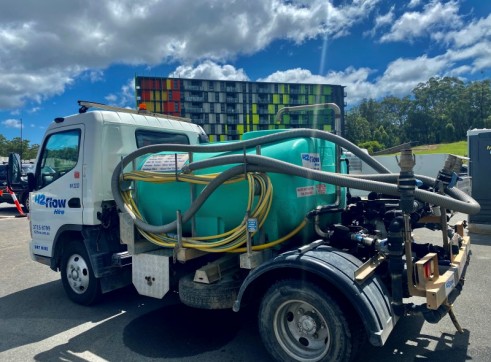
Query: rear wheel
[77, 275]
[298, 321]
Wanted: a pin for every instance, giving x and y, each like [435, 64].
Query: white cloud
[12, 123]
[413, 3]
[471, 44]
[382, 21]
[43, 51]
[385, 19]
[434, 17]
[475, 32]
[210, 70]
[125, 97]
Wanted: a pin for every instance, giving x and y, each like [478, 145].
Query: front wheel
[298, 321]
[77, 276]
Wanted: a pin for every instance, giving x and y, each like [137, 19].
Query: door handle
[74, 203]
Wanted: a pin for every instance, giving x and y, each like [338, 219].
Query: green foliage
[371, 146]
[15, 145]
[441, 110]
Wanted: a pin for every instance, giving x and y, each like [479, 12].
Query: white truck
[121, 196]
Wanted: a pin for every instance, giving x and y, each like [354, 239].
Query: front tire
[77, 276]
[298, 321]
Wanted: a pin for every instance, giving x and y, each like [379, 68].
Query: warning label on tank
[165, 163]
[319, 189]
[311, 160]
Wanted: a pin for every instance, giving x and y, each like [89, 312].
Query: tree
[15, 145]
[479, 103]
[357, 128]
[442, 100]
[371, 146]
[381, 136]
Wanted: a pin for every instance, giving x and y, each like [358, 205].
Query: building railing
[193, 110]
[194, 99]
[193, 87]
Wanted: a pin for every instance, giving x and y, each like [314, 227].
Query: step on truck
[122, 196]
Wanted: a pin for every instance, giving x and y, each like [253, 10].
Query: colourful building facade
[227, 109]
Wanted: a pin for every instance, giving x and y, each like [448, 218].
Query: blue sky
[55, 52]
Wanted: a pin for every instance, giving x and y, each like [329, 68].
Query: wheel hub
[307, 324]
[77, 274]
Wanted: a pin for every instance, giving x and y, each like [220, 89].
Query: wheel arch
[65, 234]
[333, 270]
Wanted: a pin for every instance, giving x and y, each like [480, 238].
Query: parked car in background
[20, 190]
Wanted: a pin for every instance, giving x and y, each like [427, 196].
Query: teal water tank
[293, 197]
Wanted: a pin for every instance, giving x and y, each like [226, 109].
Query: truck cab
[71, 189]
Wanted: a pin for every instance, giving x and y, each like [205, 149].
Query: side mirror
[14, 170]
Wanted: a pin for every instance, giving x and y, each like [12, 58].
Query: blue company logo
[310, 158]
[50, 203]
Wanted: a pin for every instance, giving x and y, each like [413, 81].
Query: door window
[59, 155]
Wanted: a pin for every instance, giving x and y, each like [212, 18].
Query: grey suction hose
[471, 205]
[467, 205]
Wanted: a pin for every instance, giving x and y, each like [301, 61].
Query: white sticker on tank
[305, 191]
[165, 163]
[319, 189]
[311, 160]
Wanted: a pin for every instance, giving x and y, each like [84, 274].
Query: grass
[455, 148]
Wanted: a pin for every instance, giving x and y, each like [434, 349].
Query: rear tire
[298, 321]
[77, 276]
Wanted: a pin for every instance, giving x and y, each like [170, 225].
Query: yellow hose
[229, 241]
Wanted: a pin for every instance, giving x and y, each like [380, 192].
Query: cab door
[56, 201]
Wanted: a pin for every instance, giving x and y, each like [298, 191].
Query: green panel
[302, 88]
[286, 99]
[255, 118]
[327, 90]
[311, 99]
[254, 108]
[276, 98]
[240, 128]
[282, 88]
[271, 109]
[286, 119]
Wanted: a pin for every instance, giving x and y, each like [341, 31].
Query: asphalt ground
[38, 322]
